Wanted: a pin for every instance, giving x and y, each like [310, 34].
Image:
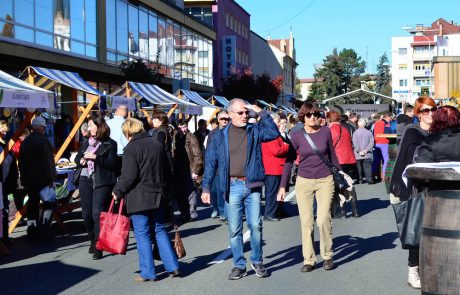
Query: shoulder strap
[315, 149]
[340, 136]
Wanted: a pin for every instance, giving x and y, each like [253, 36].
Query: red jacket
[343, 144]
[379, 128]
[274, 155]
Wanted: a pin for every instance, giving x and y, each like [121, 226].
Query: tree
[352, 68]
[383, 82]
[142, 71]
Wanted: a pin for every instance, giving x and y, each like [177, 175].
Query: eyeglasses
[314, 114]
[224, 119]
[242, 112]
[427, 111]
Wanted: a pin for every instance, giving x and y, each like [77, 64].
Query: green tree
[142, 71]
[352, 68]
[383, 81]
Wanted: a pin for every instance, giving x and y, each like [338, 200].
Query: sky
[365, 26]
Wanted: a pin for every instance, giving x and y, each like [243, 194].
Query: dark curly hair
[446, 117]
[306, 108]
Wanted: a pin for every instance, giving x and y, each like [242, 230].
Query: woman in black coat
[98, 159]
[144, 183]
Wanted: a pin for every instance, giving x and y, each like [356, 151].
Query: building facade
[413, 71]
[93, 37]
[263, 59]
[232, 25]
[305, 87]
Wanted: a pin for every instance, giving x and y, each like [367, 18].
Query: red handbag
[114, 234]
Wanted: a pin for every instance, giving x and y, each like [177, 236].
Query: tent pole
[212, 116]
[75, 128]
[128, 94]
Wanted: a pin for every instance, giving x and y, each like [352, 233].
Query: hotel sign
[228, 55]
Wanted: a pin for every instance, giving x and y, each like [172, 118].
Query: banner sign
[193, 110]
[228, 55]
[22, 99]
[365, 110]
[113, 102]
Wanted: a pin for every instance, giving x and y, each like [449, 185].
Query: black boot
[97, 254]
[354, 204]
[92, 247]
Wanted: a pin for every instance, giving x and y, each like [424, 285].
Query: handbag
[409, 217]
[339, 180]
[48, 194]
[113, 237]
[177, 245]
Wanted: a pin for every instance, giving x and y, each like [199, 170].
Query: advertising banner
[113, 102]
[193, 110]
[28, 100]
[365, 110]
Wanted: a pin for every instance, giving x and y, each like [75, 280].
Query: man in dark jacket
[36, 165]
[188, 168]
[235, 152]
[403, 120]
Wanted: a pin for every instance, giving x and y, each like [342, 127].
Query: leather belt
[238, 178]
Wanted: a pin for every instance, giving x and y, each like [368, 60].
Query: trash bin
[440, 238]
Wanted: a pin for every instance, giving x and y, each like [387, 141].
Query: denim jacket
[218, 156]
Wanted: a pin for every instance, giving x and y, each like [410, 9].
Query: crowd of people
[158, 169]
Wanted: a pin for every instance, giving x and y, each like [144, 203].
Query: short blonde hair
[131, 127]
[4, 126]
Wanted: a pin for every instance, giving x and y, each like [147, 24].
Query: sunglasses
[314, 114]
[427, 110]
[224, 119]
[242, 112]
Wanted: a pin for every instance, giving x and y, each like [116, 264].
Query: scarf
[93, 146]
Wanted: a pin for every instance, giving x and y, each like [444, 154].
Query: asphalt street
[367, 253]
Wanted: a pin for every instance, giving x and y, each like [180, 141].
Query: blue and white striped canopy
[222, 100]
[196, 98]
[70, 79]
[289, 110]
[266, 104]
[156, 95]
[12, 83]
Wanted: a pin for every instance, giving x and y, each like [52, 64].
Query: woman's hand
[281, 194]
[83, 162]
[89, 156]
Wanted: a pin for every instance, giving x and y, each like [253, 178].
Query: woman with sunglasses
[413, 137]
[314, 180]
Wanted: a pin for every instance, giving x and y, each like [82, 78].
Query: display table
[440, 237]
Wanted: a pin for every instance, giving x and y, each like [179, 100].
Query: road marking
[228, 252]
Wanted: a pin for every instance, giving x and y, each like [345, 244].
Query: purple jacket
[363, 140]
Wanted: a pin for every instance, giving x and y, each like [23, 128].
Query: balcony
[421, 56]
[421, 73]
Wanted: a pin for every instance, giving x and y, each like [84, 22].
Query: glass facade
[61, 24]
[137, 32]
[202, 13]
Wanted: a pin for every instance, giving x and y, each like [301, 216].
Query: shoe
[192, 219]
[271, 219]
[328, 264]
[281, 214]
[371, 182]
[97, 254]
[260, 270]
[307, 268]
[214, 214]
[32, 233]
[222, 218]
[140, 279]
[356, 215]
[237, 273]
[92, 247]
[413, 279]
[175, 274]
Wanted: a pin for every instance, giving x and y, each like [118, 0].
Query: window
[153, 37]
[227, 20]
[111, 25]
[402, 67]
[403, 82]
[133, 30]
[402, 51]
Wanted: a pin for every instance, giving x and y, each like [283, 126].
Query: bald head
[122, 110]
[238, 112]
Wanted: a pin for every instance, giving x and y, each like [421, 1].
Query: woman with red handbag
[143, 183]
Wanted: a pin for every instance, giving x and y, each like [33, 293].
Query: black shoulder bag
[339, 180]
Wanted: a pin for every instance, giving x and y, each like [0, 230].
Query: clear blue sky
[356, 24]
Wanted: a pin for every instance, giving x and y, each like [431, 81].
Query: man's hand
[281, 194]
[206, 198]
[253, 107]
[194, 176]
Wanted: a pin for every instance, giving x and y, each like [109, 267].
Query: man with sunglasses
[235, 152]
[217, 198]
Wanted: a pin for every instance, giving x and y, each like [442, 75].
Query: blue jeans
[142, 224]
[217, 197]
[241, 198]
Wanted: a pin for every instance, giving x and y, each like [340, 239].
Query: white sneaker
[413, 278]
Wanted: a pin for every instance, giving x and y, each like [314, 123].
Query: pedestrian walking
[314, 180]
[235, 152]
[115, 132]
[363, 144]
[188, 169]
[37, 170]
[144, 183]
[274, 155]
[97, 159]
[413, 137]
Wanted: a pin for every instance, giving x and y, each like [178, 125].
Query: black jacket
[144, 174]
[413, 138]
[443, 146]
[164, 137]
[36, 162]
[105, 164]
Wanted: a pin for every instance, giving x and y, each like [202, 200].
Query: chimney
[440, 30]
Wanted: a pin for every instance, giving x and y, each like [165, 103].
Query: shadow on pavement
[196, 230]
[348, 248]
[285, 258]
[369, 205]
[42, 278]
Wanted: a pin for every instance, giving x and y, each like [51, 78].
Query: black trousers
[272, 184]
[33, 212]
[413, 257]
[365, 169]
[93, 202]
